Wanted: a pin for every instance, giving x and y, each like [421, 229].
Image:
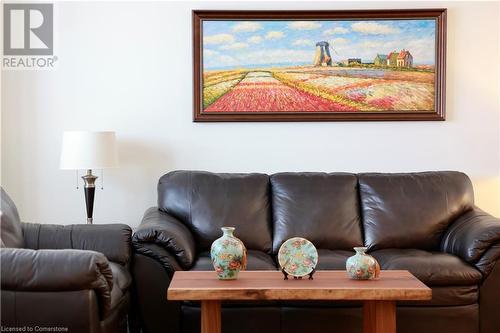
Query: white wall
[127, 67]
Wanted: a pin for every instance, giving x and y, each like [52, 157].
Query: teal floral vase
[362, 266]
[228, 255]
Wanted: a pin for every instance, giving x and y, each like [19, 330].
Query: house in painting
[392, 59]
[405, 59]
[380, 60]
[352, 61]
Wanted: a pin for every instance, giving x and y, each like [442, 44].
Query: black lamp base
[89, 190]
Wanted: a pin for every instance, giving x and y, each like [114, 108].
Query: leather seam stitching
[71, 236]
[360, 211]
[190, 198]
[39, 228]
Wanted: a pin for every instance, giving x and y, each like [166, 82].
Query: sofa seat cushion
[121, 283]
[332, 259]
[449, 296]
[322, 207]
[256, 260]
[432, 268]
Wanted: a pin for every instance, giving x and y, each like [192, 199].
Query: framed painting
[319, 65]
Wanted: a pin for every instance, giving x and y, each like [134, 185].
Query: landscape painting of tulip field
[319, 66]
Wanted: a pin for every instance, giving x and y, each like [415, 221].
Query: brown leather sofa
[426, 223]
[73, 278]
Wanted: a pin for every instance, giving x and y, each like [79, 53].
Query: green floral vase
[362, 266]
[228, 255]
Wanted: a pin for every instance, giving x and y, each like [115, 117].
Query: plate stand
[299, 277]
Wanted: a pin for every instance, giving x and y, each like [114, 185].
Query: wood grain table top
[392, 285]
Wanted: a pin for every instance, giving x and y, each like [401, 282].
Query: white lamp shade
[88, 150]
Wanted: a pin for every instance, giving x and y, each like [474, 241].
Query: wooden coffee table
[379, 296]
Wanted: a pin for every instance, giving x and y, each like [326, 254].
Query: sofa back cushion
[11, 234]
[322, 207]
[205, 202]
[412, 210]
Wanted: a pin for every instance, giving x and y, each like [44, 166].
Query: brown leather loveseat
[426, 223]
[56, 278]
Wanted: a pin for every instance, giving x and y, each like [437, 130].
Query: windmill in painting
[322, 57]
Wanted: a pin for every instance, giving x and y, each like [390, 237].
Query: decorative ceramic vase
[362, 266]
[228, 255]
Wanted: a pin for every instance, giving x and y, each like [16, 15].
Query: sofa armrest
[162, 229]
[162, 256]
[471, 235]
[112, 240]
[57, 270]
[489, 259]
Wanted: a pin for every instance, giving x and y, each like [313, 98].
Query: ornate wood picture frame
[354, 65]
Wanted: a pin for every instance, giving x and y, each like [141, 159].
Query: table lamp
[86, 150]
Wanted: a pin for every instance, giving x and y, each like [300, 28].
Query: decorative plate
[298, 256]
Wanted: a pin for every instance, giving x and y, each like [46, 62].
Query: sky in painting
[229, 44]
